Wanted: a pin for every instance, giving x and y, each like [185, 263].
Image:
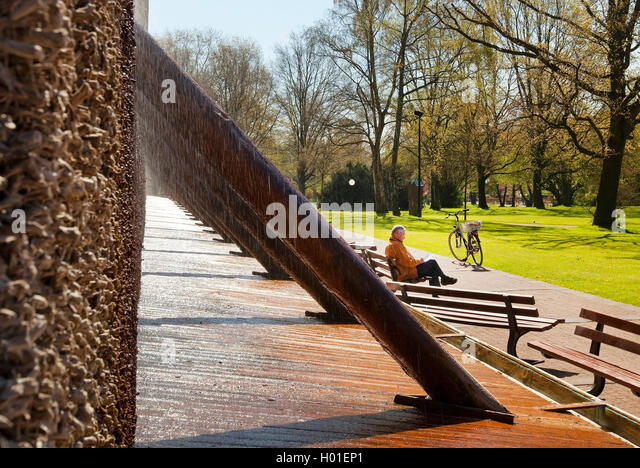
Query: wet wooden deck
[228, 359]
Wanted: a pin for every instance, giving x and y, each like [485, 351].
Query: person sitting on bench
[412, 268]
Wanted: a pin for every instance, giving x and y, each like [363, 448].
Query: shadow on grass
[594, 240]
[607, 242]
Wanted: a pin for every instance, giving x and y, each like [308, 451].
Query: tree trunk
[514, 195]
[610, 177]
[378, 183]
[619, 130]
[567, 190]
[435, 193]
[482, 190]
[301, 178]
[538, 200]
[608, 191]
[528, 201]
[502, 197]
[395, 204]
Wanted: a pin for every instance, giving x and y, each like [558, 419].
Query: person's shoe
[448, 281]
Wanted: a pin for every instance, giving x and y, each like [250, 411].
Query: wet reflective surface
[227, 359]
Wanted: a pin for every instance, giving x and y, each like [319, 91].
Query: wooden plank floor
[228, 359]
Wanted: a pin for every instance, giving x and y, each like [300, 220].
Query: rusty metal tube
[170, 171]
[217, 145]
[225, 207]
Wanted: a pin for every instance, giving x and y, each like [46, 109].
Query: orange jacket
[407, 265]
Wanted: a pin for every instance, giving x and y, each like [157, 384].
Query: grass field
[584, 257]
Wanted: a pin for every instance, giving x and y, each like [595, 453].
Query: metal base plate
[332, 319]
[430, 406]
[269, 276]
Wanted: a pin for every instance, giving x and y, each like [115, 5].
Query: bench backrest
[363, 253]
[360, 247]
[479, 301]
[379, 264]
[393, 268]
[598, 336]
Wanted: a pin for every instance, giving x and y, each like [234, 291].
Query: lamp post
[419, 114]
[466, 186]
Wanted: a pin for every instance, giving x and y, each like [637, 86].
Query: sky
[268, 22]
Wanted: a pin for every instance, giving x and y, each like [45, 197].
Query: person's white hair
[398, 228]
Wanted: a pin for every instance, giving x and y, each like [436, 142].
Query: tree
[354, 41]
[232, 72]
[351, 185]
[487, 122]
[594, 79]
[407, 15]
[564, 186]
[192, 50]
[306, 97]
[435, 70]
[536, 93]
[630, 184]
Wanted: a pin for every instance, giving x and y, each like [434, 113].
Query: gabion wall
[71, 223]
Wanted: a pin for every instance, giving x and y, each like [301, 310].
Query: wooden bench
[361, 247]
[384, 267]
[378, 263]
[601, 369]
[395, 273]
[478, 308]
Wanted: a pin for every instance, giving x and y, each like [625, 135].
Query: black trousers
[432, 269]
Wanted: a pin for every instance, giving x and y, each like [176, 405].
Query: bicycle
[462, 248]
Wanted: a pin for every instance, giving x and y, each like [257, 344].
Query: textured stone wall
[69, 285]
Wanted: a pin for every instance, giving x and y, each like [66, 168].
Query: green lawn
[584, 258]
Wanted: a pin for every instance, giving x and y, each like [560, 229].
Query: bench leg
[514, 337]
[512, 345]
[514, 332]
[598, 386]
[405, 296]
[598, 382]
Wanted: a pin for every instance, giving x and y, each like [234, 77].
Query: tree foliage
[522, 100]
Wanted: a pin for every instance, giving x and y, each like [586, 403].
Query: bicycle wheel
[458, 246]
[475, 246]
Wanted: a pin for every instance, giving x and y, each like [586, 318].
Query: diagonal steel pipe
[217, 203]
[175, 173]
